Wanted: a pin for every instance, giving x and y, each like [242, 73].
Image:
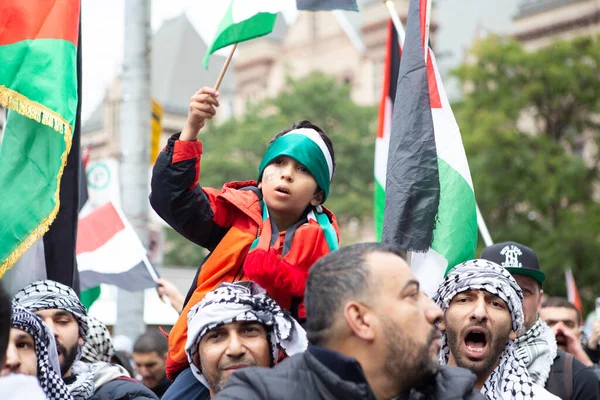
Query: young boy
[270, 231]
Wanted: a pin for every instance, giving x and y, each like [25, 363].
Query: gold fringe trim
[39, 113]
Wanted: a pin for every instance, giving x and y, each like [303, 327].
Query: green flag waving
[38, 85]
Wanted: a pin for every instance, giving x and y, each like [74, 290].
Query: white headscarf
[242, 301]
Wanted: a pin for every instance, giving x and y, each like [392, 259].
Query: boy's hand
[202, 107]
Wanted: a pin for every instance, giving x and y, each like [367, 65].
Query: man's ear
[317, 199]
[80, 341]
[260, 184]
[196, 359]
[539, 305]
[512, 335]
[360, 320]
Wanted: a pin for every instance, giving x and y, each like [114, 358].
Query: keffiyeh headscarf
[537, 349]
[43, 295]
[99, 345]
[510, 380]
[48, 367]
[242, 301]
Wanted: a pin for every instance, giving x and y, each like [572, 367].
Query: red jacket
[227, 222]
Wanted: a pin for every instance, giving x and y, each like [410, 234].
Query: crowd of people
[279, 311]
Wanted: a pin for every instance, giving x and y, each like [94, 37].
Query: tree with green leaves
[530, 126]
[233, 150]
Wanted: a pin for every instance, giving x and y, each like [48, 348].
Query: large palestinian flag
[38, 85]
[430, 205]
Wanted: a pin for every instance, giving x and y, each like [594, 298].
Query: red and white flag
[109, 251]
[572, 292]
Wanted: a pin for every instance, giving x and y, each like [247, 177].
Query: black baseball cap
[516, 258]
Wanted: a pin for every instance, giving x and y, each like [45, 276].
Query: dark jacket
[123, 388]
[321, 374]
[451, 383]
[162, 387]
[584, 383]
[594, 355]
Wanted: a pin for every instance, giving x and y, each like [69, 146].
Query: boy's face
[288, 187]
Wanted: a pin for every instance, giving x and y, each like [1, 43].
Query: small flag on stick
[109, 251]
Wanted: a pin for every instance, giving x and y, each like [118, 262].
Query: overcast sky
[103, 31]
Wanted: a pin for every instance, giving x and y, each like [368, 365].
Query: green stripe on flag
[230, 31]
[378, 207]
[34, 71]
[89, 296]
[30, 156]
[455, 234]
[38, 84]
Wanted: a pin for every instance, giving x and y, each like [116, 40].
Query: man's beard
[217, 381]
[529, 323]
[495, 347]
[68, 357]
[407, 361]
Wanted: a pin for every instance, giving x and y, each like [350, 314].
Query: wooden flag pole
[396, 21]
[224, 69]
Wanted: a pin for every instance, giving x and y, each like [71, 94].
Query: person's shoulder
[585, 376]
[540, 393]
[289, 366]
[123, 386]
[580, 368]
[287, 370]
[559, 362]
[456, 382]
[252, 383]
[16, 386]
[244, 195]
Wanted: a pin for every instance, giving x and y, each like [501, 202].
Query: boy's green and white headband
[306, 146]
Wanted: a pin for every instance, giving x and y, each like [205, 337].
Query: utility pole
[134, 139]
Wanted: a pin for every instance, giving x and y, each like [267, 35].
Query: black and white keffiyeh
[82, 388]
[99, 345]
[43, 295]
[537, 349]
[510, 380]
[48, 368]
[243, 301]
[90, 377]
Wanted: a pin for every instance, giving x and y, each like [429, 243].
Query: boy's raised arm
[175, 194]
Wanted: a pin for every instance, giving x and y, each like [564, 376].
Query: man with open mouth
[548, 366]
[483, 312]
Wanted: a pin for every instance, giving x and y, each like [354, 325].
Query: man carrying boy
[270, 231]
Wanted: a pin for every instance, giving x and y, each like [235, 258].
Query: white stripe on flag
[120, 253]
[382, 145]
[448, 141]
